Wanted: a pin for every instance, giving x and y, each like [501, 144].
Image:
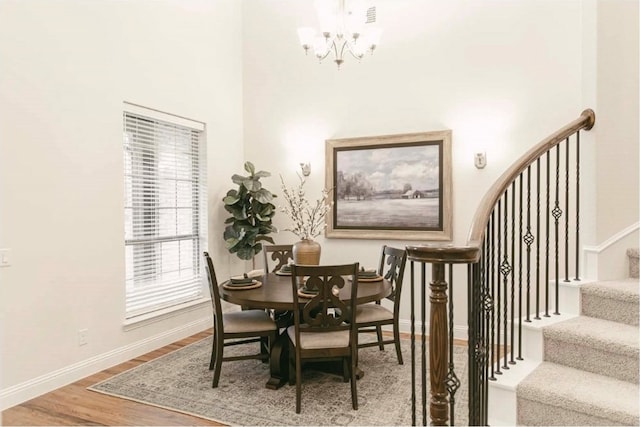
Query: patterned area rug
[181, 381]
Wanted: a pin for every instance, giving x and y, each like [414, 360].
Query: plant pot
[306, 252]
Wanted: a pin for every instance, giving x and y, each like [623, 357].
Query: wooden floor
[75, 405]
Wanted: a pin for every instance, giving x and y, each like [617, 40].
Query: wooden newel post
[438, 346]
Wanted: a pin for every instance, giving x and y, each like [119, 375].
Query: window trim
[135, 319]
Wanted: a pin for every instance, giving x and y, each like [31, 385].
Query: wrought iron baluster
[513, 271]
[577, 206]
[505, 269]
[413, 347]
[557, 213]
[499, 288]
[546, 272]
[485, 308]
[452, 383]
[492, 263]
[528, 240]
[538, 189]
[520, 273]
[566, 213]
[423, 298]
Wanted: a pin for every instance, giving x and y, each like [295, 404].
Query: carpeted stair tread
[576, 397]
[622, 290]
[612, 300]
[594, 345]
[597, 333]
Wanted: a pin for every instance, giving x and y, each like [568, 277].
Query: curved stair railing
[523, 241]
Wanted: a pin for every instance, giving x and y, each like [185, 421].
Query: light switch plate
[5, 257]
[480, 160]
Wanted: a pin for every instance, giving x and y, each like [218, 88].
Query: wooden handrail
[470, 253]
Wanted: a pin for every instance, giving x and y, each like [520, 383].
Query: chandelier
[343, 29]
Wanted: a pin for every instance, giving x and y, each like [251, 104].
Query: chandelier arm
[340, 56]
[333, 45]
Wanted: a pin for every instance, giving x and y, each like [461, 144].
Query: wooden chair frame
[279, 253]
[265, 338]
[396, 259]
[324, 313]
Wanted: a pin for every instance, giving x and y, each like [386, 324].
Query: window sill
[166, 313]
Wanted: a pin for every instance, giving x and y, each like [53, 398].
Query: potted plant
[251, 214]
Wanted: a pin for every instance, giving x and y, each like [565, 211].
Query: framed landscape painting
[390, 187]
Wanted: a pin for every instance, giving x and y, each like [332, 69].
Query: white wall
[67, 67]
[501, 75]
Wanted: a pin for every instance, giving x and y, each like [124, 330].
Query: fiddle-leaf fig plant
[251, 212]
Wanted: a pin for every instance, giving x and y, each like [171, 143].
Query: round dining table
[276, 293]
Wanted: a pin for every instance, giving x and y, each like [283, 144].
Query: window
[165, 210]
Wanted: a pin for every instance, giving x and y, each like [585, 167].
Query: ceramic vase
[306, 252]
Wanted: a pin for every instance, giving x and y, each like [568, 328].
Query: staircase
[580, 368]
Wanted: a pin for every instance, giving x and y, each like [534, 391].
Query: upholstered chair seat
[315, 340]
[372, 313]
[247, 321]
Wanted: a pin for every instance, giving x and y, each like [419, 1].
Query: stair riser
[610, 309]
[539, 414]
[502, 406]
[589, 359]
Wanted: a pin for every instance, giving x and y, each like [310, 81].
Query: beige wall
[617, 156]
[67, 67]
[500, 75]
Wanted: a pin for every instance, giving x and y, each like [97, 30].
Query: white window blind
[165, 212]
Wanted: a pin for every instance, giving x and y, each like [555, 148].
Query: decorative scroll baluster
[492, 347]
[577, 206]
[557, 213]
[505, 269]
[452, 383]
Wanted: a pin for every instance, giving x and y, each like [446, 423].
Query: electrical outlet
[480, 160]
[83, 337]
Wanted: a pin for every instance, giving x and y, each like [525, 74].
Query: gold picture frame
[390, 187]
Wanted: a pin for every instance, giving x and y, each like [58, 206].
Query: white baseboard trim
[22, 392]
[459, 331]
[591, 252]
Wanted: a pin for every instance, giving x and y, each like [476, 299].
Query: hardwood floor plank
[75, 405]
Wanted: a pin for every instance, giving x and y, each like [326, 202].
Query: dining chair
[323, 328]
[242, 326]
[281, 254]
[371, 317]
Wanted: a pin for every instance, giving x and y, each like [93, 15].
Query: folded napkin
[305, 290]
[369, 272]
[247, 278]
[241, 280]
[285, 268]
